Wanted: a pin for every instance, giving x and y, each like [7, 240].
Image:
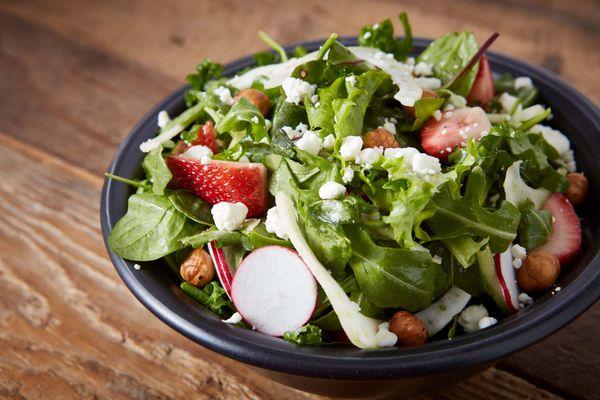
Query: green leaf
[192, 206]
[151, 229]
[424, 109]
[156, 170]
[308, 335]
[288, 114]
[212, 296]
[222, 238]
[205, 71]
[244, 116]
[449, 55]
[265, 58]
[321, 116]
[506, 83]
[535, 227]
[391, 277]
[381, 36]
[465, 249]
[456, 217]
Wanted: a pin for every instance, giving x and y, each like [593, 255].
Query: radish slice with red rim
[221, 266]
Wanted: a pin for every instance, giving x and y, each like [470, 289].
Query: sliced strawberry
[207, 136]
[219, 181]
[455, 127]
[565, 240]
[482, 90]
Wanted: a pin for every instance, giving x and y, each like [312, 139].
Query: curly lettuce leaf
[381, 36]
[308, 335]
[211, 296]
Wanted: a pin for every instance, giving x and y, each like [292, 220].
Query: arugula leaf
[308, 335]
[391, 277]
[192, 206]
[205, 71]
[465, 249]
[249, 239]
[381, 36]
[449, 55]
[151, 229]
[287, 114]
[244, 116]
[212, 296]
[535, 227]
[456, 217]
[156, 170]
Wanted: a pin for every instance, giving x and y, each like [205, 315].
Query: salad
[359, 194]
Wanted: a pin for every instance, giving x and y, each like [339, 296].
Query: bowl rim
[436, 357]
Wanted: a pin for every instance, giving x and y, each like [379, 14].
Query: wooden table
[74, 78]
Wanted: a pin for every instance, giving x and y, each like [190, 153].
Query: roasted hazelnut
[539, 271]
[578, 188]
[256, 97]
[197, 268]
[426, 94]
[410, 330]
[380, 138]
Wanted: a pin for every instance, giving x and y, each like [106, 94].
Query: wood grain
[76, 76]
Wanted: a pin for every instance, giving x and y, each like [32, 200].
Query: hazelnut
[410, 330]
[380, 138]
[180, 147]
[426, 94]
[256, 97]
[578, 188]
[539, 271]
[197, 268]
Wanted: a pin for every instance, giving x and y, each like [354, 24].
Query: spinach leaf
[192, 206]
[211, 296]
[535, 227]
[308, 335]
[156, 170]
[460, 216]
[381, 36]
[151, 229]
[449, 55]
[288, 114]
[244, 116]
[391, 277]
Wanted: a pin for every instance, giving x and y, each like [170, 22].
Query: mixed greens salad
[358, 194]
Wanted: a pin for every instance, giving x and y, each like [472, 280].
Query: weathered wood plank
[172, 37]
[69, 327]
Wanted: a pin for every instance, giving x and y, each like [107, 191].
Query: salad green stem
[327, 45]
[274, 45]
[131, 182]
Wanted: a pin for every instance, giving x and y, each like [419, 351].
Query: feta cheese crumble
[310, 142]
[162, 119]
[295, 133]
[351, 80]
[229, 216]
[350, 147]
[423, 69]
[273, 224]
[224, 94]
[369, 156]
[385, 338]
[408, 153]
[487, 322]
[425, 164]
[469, 317]
[331, 190]
[199, 152]
[348, 175]
[437, 259]
[329, 142]
[525, 300]
[389, 126]
[519, 254]
[437, 115]
[508, 103]
[137, 267]
[234, 319]
[296, 89]
[522, 81]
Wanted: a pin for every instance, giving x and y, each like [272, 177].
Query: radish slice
[439, 314]
[499, 276]
[221, 266]
[274, 290]
[361, 330]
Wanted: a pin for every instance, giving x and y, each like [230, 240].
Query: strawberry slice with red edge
[207, 136]
[482, 90]
[218, 181]
[454, 129]
[565, 240]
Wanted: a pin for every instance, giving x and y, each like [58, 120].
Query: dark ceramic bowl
[344, 370]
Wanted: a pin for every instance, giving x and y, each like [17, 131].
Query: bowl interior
[158, 288]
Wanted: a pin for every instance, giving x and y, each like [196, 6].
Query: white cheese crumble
[296, 89]
[423, 69]
[347, 175]
[385, 338]
[518, 251]
[331, 190]
[408, 153]
[234, 319]
[469, 317]
[437, 259]
[369, 156]
[254, 120]
[136, 266]
[163, 119]
[199, 152]
[487, 322]
[328, 142]
[367, 35]
[229, 216]
[508, 102]
[351, 80]
[224, 94]
[295, 133]
[525, 300]
[310, 142]
[389, 126]
[522, 81]
[425, 164]
[350, 147]
[273, 224]
[437, 115]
